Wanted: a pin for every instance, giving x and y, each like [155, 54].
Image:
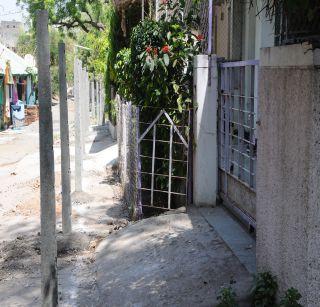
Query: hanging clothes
[1, 92]
[8, 78]
[15, 97]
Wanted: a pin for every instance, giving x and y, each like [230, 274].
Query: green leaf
[174, 63]
[176, 87]
[152, 65]
[179, 101]
[166, 59]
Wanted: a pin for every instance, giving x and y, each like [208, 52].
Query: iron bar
[210, 27]
[149, 128]
[166, 192]
[163, 141]
[170, 167]
[165, 125]
[153, 160]
[139, 166]
[252, 122]
[176, 129]
[163, 175]
[165, 159]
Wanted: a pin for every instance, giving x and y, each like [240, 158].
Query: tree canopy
[70, 14]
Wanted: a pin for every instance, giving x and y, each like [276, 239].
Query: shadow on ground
[169, 260]
[101, 142]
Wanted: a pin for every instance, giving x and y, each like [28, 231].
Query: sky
[10, 11]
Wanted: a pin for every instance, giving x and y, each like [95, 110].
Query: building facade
[9, 33]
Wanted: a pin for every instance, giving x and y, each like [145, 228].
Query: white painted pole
[93, 103]
[98, 102]
[64, 137]
[78, 128]
[157, 10]
[210, 17]
[82, 109]
[142, 10]
[102, 96]
[49, 282]
[88, 102]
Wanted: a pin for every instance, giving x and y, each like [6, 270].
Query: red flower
[155, 51]
[148, 49]
[200, 37]
[165, 49]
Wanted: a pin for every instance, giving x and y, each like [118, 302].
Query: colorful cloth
[8, 79]
[15, 93]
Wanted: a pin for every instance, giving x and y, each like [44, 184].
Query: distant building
[9, 33]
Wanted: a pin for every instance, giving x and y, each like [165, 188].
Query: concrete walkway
[169, 260]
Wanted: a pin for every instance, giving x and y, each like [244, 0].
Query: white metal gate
[164, 155]
[238, 105]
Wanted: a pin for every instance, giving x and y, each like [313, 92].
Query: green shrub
[123, 70]
[265, 290]
[227, 297]
[291, 298]
[159, 71]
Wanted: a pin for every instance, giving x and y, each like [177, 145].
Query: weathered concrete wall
[288, 170]
[238, 194]
[205, 166]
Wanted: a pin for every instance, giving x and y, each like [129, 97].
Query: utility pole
[49, 282]
[64, 137]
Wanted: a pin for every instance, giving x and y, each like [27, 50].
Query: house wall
[221, 31]
[288, 174]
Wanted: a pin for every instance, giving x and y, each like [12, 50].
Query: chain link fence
[128, 135]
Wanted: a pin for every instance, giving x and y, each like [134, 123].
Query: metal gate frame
[238, 85]
[173, 129]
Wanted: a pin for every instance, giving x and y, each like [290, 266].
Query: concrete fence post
[64, 137]
[205, 166]
[93, 103]
[78, 127]
[49, 283]
[87, 102]
[82, 104]
[102, 98]
[98, 102]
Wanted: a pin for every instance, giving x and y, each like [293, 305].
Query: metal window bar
[237, 120]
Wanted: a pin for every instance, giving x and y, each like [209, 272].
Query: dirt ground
[96, 213]
[168, 260]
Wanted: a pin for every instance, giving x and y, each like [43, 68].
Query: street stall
[17, 88]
